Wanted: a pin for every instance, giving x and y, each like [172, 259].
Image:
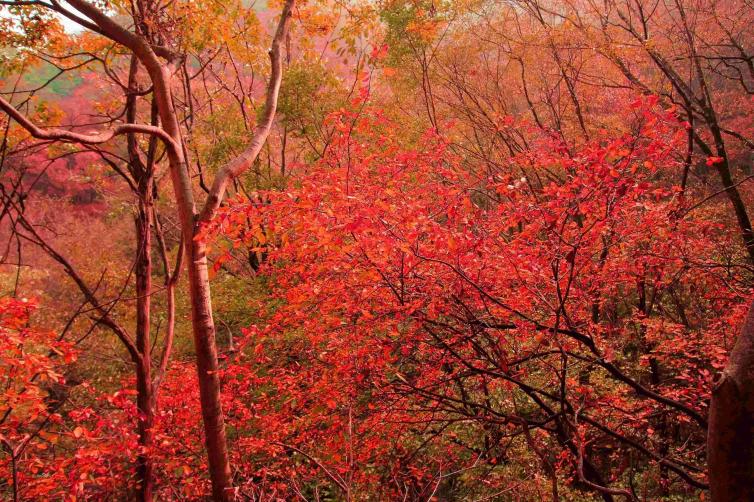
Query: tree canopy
[396, 250]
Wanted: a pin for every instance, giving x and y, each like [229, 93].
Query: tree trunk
[206, 362]
[144, 391]
[199, 291]
[730, 437]
[145, 407]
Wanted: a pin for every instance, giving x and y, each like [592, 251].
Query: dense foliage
[393, 250]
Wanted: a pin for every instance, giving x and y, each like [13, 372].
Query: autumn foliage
[376, 251]
[444, 318]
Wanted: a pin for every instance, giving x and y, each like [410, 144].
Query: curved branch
[170, 281]
[244, 161]
[56, 134]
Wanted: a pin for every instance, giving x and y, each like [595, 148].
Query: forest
[376, 250]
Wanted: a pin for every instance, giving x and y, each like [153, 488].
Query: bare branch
[88, 139]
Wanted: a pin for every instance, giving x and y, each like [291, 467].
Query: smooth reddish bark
[730, 437]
